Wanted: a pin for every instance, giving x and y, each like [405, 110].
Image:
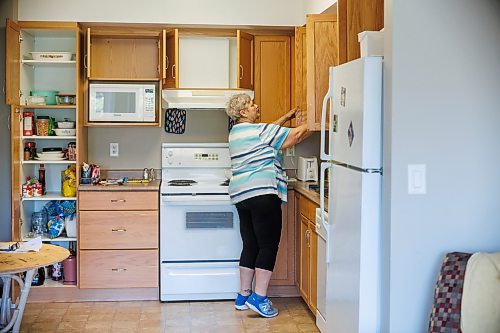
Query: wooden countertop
[151, 186]
[303, 188]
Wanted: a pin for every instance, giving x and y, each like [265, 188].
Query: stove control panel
[206, 157]
[210, 156]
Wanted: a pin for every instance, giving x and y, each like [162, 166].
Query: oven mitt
[175, 121]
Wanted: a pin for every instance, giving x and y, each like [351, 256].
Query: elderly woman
[257, 188]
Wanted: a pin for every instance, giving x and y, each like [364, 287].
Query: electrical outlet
[290, 151]
[114, 149]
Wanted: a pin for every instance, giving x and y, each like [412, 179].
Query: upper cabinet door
[300, 79]
[86, 59]
[322, 52]
[245, 46]
[171, 68]
[272, 77]
[356, 16]
[12, 63]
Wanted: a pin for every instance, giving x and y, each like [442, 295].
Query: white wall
[213, 12]
[316, 6]
[443, 110]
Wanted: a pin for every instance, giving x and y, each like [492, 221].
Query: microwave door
[115, 104]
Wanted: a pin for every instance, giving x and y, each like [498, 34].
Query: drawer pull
[118, 200]
[118, 269]
[119, 230]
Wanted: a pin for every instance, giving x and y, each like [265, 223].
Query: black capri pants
[260, 229]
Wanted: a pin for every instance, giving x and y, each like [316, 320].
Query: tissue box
[371, 43]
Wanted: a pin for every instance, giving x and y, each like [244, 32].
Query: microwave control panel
[149, 104]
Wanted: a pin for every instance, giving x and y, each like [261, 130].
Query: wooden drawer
[116, 200]
[308, 208]
[118, 230]
[119, 269]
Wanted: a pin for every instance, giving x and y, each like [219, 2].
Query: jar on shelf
[32, 147]
[72, 151]
[39, 222]
[42, 125]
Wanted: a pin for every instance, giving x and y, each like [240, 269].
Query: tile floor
[177, 317]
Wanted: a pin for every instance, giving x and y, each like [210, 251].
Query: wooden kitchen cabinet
[118, 233]
[25, 74]
[332, 39]
[272, 76]
[123, 54]
[355, 16]
[170, 59]
[300, 78]
[240, 61]
[284, 270]
[308, 253]
[323, 51]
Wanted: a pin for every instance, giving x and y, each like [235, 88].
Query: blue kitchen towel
[175, 121]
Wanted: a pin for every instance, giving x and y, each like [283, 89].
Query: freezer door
[357, 113]
[353, 274]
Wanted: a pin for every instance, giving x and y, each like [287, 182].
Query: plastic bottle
[41, 177]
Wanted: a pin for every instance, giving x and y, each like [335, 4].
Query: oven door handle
[195, 200]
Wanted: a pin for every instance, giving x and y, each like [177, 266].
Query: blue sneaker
[239, 303]
[262, 305]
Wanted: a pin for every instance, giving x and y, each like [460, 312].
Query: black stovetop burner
[181, 182]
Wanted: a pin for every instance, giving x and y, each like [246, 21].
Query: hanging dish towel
[175, 121]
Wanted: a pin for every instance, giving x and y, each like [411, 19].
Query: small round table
[11, 264]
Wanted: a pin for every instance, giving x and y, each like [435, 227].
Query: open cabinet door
[15, 151]
[171, 68]
[12, 63]
[245, 46]
[86, 60]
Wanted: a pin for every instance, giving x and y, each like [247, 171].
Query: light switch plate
[290, 151]
[417, 179]
[114, 149]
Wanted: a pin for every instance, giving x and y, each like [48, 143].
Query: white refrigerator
[351, 152]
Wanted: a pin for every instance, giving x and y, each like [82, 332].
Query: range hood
[199, 98]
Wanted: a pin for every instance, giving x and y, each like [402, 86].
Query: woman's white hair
[237, 103]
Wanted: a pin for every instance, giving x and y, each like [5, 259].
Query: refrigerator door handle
[324, 167]
[329, 94]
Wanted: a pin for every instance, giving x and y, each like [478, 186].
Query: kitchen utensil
[66, 124]
[36, 100]
[50, 95]
[51, 56]
[52, 149]
[65, 131]
[307, 169]
[65, 99]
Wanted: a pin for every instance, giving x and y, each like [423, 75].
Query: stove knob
[170, 153]
[169, 161]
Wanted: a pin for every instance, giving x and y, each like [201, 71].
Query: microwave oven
[122, 102]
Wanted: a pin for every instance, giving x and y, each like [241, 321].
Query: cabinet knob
[118, 200]
[241, 77]
[119, 230]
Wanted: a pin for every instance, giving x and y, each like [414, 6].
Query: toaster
[307, 169]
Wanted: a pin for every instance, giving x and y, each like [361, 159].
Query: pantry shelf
[50, 196]
[61, 137]
[27, 106]
[49, 162]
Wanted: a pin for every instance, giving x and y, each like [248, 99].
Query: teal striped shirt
[256, 161]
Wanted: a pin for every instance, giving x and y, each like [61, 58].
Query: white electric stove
[200, 244]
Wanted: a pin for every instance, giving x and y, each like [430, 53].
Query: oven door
[199, 229]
